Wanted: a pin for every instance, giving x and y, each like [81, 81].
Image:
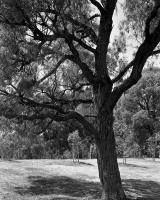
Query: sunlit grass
[63, 179]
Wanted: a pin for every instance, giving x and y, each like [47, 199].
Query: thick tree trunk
[107, 160]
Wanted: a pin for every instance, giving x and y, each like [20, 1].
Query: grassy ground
[61, 179]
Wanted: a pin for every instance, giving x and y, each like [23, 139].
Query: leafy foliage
[139, 109]
[56, 56]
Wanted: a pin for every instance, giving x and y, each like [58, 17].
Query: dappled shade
[132, 165]
[144, 190]
[65, 186]
[61, 185]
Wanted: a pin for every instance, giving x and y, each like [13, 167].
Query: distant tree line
[136, 126]
[137, 118]
[28, 141]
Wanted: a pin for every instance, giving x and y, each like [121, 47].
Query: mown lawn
[61, 179]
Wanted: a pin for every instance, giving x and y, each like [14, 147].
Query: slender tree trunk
[107, 160]
[78, 153]
[90, 152]
[141, 152]
[73, 152]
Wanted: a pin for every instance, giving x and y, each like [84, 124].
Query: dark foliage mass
[137, 117]
[58, 63]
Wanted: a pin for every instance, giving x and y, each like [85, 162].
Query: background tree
[123, 128]
[124, 140]
[74, 141]
[140, 107]
[143, 129]
[153, 142]
[41, 38]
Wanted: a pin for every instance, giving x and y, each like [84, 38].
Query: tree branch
[37, 33]
[155, 52]
[76, 59]
[48, 105]
[105, 29]
[86, 29]
[123, 72]
[94, 16]
[63, 117]
[75, 22]
[153, 14]
[64, 101]
[98, 5]
[145, 50]
[75, 101]
[81, 43]
[62, 60]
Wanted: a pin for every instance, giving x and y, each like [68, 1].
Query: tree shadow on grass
[143, 190]
[69, 163]
[132, 165]
[61, 185]
[85, 163]
[9, 160]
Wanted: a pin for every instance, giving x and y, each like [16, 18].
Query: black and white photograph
[79, 99]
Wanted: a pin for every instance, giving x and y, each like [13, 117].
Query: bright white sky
[118, 16]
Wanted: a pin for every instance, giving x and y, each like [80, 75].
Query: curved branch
[48, 105]
[94, 16]
[81, 43]
[85, 28]
[123, 72]
[75, 101]
[62, 60]
[75, 22]
[153, 14]
[155, 52]
[76, 59]
[145, 50]
[56, 117]
[98, 5]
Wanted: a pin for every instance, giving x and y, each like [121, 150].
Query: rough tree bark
[105, 95]
[107, 161]
[106, 152]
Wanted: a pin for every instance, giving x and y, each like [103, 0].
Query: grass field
[61, 179]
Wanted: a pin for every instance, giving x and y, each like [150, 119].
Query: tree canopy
[56, 55]
[139, 108]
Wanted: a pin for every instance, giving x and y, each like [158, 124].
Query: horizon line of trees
[136, 126]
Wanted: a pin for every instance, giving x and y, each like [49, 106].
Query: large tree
[53, 38]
